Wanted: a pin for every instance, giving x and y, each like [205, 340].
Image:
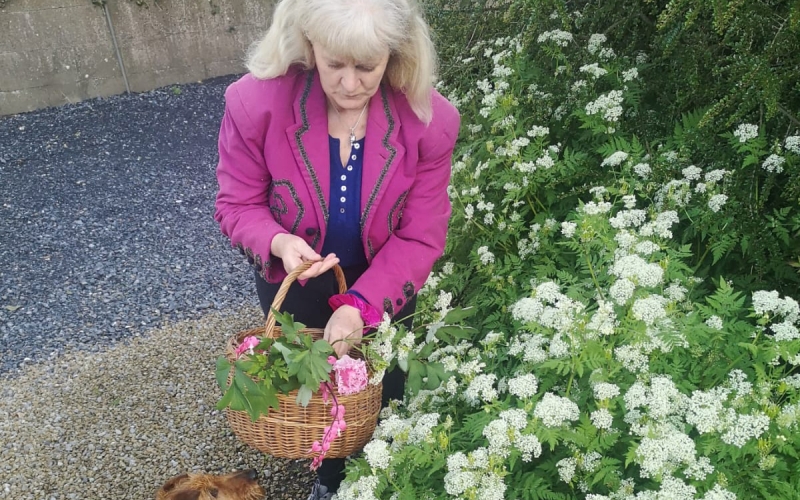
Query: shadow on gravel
[106, 225]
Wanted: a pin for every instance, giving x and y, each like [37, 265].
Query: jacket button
[399, 302]
[311, 231]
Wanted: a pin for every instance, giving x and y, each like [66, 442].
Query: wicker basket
[290, 431]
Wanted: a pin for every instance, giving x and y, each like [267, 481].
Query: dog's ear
[175, 481]
[187, 495]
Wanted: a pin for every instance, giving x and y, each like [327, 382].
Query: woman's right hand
[293, 251]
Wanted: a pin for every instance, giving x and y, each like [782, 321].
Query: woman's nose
[350, 80]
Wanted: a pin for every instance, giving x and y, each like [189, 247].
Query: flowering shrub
[608, 361]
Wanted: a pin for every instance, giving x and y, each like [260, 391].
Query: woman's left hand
[344, 329]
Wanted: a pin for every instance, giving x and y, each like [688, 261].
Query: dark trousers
[309, 305]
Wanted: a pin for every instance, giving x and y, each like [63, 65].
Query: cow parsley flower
[377, 454]
[595, 42]
[615, 159]
[609, 105]
[566, 468]
[605, 390]
[700, 469]
[742, 428]
[642, 170]
[593, 69]
[523, 386]
[537, 131]
[649, 309]
[628, 218]
[719, 493]
[664, 449]
[568, 229]
[602, 419]
[715, 175]
[481, 389]
[774, 163]
[792, 143]
[714, 322]
[638, 270]
[555, 410]
[630, 74]
[745, 132]
[559, 37]
[621, 291]
[485, 255]
[691, 173]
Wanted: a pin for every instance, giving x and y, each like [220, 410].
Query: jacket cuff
[370, 315]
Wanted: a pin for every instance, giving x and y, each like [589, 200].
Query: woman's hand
[293, 251]
[344, 329]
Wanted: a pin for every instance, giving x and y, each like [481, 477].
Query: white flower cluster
[714, 322]
[792, 143]
[555, 410]
[745, 132]
[615, 159]
[770, 302]
[568, 229]
[774, 163]
[604, 320]
[661, 226]
[595, 42]
[628, 218]
[719, 493]
[638, 271]
[663, 449]
[602, 419]
[481, 389]
[485, 255]
[523, 386]
[649, 309]
[716, 202]
[537, 131]
[605, 390]
[593, 69]
[362, 489]
[642, 170]
[609, 105]
[529, 346]
[469, 476]
[377, 454]
[630, 75]
[559, 37]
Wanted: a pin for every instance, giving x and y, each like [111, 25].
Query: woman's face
[349, 84]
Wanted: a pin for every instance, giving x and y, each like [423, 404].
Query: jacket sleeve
[242, 209]
[400, 268]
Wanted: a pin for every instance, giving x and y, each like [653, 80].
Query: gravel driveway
[117, 293]
[106, 224]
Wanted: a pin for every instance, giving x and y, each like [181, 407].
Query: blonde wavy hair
[357, 30]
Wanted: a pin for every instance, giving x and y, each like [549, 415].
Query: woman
[335, 148]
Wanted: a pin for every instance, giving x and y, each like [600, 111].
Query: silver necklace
[353, 128]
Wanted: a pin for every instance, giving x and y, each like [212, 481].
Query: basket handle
[287, 282]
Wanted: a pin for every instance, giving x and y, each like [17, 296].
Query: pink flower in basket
[351, 375]
[247, 345]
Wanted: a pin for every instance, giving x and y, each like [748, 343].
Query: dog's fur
[242, 485]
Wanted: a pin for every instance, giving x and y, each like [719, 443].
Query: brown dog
[241, 485]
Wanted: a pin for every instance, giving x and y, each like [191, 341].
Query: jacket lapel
[308, 137]
[382, 154]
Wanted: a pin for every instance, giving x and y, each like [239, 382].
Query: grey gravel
[106, 224]
[117, 293]
[116, 424]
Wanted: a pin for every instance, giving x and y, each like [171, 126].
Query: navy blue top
[344, 232]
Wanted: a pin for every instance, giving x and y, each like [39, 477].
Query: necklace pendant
[352, 139]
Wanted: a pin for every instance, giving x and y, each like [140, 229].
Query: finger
[328, 263]
[311, 272]
[306, 252]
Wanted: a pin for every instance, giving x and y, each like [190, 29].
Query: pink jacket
[274, 177]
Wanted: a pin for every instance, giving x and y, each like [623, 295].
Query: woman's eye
[366, 69]
[335, 65]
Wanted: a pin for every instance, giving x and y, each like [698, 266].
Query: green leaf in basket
[322, 346]
[257, 398]
[227, 398]
[289, 328]
[304, 395]
[223, 369]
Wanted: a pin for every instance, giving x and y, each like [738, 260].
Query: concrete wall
[57, 51]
